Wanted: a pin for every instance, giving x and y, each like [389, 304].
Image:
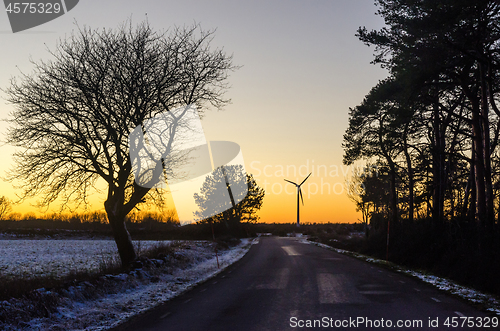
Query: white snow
[58, 258]
[140, 291]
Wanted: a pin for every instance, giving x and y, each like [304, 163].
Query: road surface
[284, 284]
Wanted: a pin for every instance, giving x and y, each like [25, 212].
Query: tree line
[431, 128]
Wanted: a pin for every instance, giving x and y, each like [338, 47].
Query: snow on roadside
[476, 297]
[140, 291]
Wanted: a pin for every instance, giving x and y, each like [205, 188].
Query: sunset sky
[301, 69]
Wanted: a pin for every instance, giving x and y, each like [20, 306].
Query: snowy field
[58, 258]
[84, 307]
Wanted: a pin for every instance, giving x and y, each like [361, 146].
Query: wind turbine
[299, 193]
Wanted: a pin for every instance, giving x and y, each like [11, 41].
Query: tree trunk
[123, 240]
[121, 235]
[232, 217]
[411, 209]
[438, 176]
[485, 126]
[470, 207]
[478, 165]
[428, 209]
[455, 195]
[394, 194]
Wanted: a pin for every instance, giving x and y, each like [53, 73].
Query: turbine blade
[286, 180]
[301, 198]
[305, 179]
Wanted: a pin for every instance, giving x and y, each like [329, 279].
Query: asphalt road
[283, 284]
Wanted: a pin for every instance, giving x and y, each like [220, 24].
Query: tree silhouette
[73, 115]
[450, 48]
[5, 206]
[236, 207]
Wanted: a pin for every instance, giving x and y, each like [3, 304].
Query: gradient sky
[302, 68]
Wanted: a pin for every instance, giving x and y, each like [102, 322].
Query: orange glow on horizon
[279, 206]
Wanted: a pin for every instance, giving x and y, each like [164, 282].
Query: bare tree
[356, 191]
[73, 115]
[5, 207]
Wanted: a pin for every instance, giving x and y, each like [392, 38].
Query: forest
[429, 133]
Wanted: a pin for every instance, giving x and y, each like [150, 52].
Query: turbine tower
[299, 193]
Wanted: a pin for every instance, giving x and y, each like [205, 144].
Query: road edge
[487, 302]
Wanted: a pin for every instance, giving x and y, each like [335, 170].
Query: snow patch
[80, 308]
